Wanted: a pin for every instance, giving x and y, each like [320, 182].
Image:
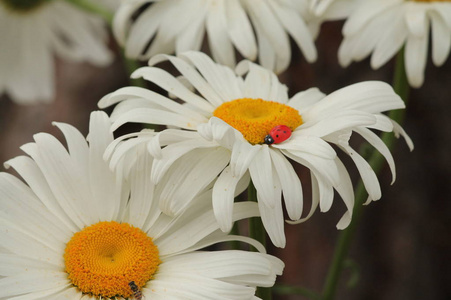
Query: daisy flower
[77, 232]
[405, 23]
[32, 32]
[253, 27]
[221, 131]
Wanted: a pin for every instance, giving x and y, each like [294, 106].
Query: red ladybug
[278, 134]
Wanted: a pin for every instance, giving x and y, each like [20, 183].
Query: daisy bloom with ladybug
[216, 135]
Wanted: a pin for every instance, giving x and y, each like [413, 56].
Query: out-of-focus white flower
[332, 9]
[77, 232]
[222, 130]
[382, 28]
[32, 32]
[327, 10]
[253, 27]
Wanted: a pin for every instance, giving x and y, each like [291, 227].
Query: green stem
[294, 290]
[89, 6]
[131, 66]
[235, 245]
[376, 161]
[257, 232]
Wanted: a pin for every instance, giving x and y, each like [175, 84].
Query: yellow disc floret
[255, 118]
[104, 258]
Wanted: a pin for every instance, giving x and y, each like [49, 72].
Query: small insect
[136, 292]
[278, 134]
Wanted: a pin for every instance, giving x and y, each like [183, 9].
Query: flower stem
[89, 6]
[131, 66]
[295, 290]
[376, 161]
[257, 232]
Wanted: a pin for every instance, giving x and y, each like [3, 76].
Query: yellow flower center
[255, 118]
[104, 258]
[22, 5]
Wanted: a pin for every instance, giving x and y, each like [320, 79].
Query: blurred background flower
[383, 28]
[255, 28]
[32, 33]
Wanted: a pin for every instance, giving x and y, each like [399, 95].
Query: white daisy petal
[196, 223]
[377, 143]
[261, 171]
[315, 201]
[242, 156]
[142, 193]
[415, 19]
[364, 12]
[55, 195]
[30, 172]
[31, 281]
[441, 39]
[346, 192]
[14, 264]
[150, 97]
[165, 138]
[69, 293]
[308, 144]
[217, 264]
[217, 238]
[303, 100]
[389, 44]
[192, 36]
[240, 29]
[169, 83]
[221, 79]
[14, 239]
[220, 44]
[223, 196]
[42, 294]
[141, 29]
[120, 226]
[173, 152]
[200, 172]
[297, 28]
[290, 184]
[177, 286]
[415, 59]
[263, 84]
[369, 177]
[190, 74]
[272, 218]
[399, 131]
[340, 121]
[154, 116]
[264, 19]
[62, 175]
[100, 175]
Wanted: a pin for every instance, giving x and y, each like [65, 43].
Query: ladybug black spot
[277, 135]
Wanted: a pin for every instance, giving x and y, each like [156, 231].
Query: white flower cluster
[123, 218]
